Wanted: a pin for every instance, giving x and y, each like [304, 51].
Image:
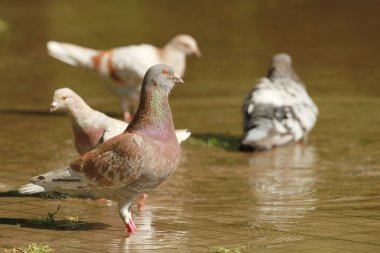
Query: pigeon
[131, 163]
[124, 67]
[278, 110]
[91, 128]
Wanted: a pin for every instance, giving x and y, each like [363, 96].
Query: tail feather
[59, 180]
[31, 188]
[71, 54]
[182, 134]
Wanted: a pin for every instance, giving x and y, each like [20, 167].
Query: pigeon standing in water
[278, 110]
[129, 164]
[91, 128]
[124, 67]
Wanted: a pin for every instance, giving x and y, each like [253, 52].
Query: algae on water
[32, 248]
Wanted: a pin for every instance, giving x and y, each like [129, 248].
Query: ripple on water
[147, 236]
[283, 183]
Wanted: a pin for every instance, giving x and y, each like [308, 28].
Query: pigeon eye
[64, 97]
[164, 72]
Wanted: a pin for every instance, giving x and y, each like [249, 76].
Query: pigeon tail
[31, 188]
[71, 54]
[182, 134]
[65, 179]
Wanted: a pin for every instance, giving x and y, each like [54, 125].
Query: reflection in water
[283, 183]
[147, 237]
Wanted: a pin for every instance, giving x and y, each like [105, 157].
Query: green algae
[214, 141]
[51, 222]
[31, 248]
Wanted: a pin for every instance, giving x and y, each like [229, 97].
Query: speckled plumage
[278, 110]
[124, 67]
[131, 163]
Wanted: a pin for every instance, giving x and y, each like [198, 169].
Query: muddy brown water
[320, 197]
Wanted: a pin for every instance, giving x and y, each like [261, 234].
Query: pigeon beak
[53, 106]
[197, 53]
[176, 78]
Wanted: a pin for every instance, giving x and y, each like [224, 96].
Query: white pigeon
[91, 128]
[124, 67]
[278, 110]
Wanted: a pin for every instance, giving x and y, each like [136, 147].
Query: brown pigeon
[91, 128]
[124, 67]
[125, 166]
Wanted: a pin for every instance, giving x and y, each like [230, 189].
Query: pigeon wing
[114, 164]
[130, 63]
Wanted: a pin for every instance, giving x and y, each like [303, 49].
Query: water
[320, 197]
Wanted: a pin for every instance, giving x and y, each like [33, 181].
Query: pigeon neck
[282, 71]
[79, 111]
[153, 117]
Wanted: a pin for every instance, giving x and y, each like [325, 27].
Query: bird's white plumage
[124, 67]
[31, 188]
[134, 59]
[182, 134]
[71, 54]
[287, 113]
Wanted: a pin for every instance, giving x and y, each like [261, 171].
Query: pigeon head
[281, 67]
[161, 77]
[282, 60]
[186, 44]
[154, 110]
[63, 99]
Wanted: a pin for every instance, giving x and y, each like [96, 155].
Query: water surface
[320, 197]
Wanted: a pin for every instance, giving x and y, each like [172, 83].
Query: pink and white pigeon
[124, 67]
[136, 161]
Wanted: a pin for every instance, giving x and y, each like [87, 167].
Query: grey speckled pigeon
[125, 166]
[90, 127]
[124, 67]
[278, 110]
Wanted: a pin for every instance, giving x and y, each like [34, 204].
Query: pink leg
[127, 117]
[130, 227]
[141, 202]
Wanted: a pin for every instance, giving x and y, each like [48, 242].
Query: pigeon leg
[130, 227]
[125, 108]
[306, 138]
[141, 202]
[127, 117]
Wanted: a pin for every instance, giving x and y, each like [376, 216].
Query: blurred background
[335, 49]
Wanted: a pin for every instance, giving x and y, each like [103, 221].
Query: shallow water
[319, 197]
